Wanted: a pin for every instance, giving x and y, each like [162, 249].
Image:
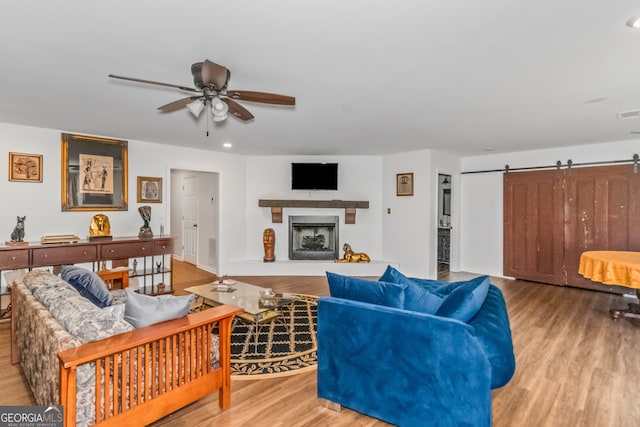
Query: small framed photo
[404, 184]
[25, 167]
[149, 189]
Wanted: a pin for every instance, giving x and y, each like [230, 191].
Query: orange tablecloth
[611, 267]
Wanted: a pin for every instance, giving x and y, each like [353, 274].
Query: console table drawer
[164, 246]
[64, 255]
[127, 250]
[18, 258]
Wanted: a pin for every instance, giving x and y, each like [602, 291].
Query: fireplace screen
[313, 237]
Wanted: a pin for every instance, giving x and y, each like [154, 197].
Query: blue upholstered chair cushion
[465, 299]
[143, 310]
[371, 291]
[491, 326]
[88, 284]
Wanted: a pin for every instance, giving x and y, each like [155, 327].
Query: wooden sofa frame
[178, 362]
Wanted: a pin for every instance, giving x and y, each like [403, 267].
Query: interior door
[533, 218]
[190, 219]
[603, 213]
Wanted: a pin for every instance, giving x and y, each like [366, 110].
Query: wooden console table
[155, 252]
[348, 205]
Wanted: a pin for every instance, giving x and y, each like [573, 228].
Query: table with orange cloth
[614, 268]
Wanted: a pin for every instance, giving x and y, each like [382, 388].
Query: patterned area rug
[286, 345]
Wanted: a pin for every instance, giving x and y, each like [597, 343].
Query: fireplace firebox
[313, 237]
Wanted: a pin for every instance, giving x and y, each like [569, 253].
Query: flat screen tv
[314, 176]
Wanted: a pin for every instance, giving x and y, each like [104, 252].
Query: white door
[190, 219]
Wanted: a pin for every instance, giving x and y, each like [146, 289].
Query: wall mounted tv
[314, 176]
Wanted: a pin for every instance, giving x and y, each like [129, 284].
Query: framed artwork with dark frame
[94, 173]
[149, 189]
[25, 167]
[404, 184]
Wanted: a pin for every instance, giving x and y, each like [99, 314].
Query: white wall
[40, 202]
[359, 178]
[408, 229]
[481, 237]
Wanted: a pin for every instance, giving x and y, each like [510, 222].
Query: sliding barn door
[551, 217]
[533, 212]
[603, 213]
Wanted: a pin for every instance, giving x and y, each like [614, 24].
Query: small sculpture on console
[17, 235]
[269, 242]
[100, 228]
[350, 256]
[145, 230]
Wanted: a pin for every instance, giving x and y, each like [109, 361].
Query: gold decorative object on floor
[100, 228]
[350, 256]
[269, 242]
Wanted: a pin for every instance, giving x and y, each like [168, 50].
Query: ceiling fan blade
[267, 98]
[215, 74]
[151, 82]
[176, 105]
[238, 110]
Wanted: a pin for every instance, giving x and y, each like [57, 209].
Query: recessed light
[634, 22]
[488, 149]
[227, 145]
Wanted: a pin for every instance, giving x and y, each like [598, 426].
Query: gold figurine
[350, 256]
[269, 242]
[100, 226]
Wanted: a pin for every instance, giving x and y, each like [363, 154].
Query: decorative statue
[145, 213]
[18, 232]
[100, 226]
[269, 242]
[350, 256]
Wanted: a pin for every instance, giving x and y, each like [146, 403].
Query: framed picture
[149, 189]
[94, 173]
[25, 167]
[404, 184]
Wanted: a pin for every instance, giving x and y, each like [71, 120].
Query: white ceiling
[369, 77]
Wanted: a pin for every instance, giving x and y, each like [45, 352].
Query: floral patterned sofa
[63, 342]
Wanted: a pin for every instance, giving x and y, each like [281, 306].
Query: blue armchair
[407, 367]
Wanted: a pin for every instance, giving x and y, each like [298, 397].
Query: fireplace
[313, 237]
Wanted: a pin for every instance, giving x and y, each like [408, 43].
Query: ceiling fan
[211, 82]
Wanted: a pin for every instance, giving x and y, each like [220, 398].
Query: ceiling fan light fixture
[634, 22]
[219, 109]
[196, 107]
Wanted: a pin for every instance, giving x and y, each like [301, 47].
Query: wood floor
[575, 366]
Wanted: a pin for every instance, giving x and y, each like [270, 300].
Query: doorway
[194, 217]
[444, 223]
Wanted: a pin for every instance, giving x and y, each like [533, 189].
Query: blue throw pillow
[464, 302]
[371, 291]
[416, 296]
[392, 275]
[88, 284]
[143, 310]
[420, 298]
